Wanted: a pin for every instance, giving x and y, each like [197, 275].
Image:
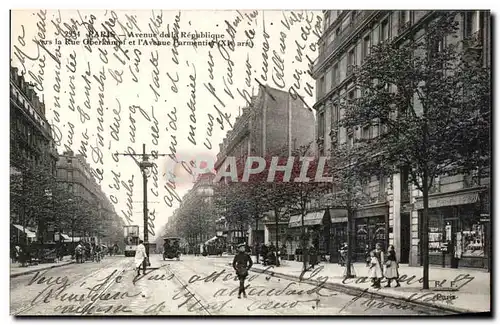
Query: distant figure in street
[263, 251]
[242, 262]
[79, 253]
[343, 254]
[97, 251]
[257, 252]
[283, 252]
[391, 267]
[313, 256]
[367, 255]
[140, 258]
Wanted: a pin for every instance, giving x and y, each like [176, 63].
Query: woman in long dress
[375, 271]
[378, 270]
[391, 267]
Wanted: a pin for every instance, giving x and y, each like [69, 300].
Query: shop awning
[29, 233]
[449, 200]
[75, 240]
[310, 219]
[338, 215]
[65, 237]
[211, 240]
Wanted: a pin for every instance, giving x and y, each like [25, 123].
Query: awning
[29, 233]
[75, 240]
[211, 240]
[310, 219]
[448, 200]
[338, 215]
[65, 237]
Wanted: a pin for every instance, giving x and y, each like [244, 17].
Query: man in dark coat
[242, 262]
[257, 253]
[263, 252]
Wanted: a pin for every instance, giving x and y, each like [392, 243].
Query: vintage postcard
[250, 162]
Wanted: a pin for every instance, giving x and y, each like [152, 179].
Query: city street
[192, 286]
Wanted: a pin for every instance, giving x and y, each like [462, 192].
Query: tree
[282, 193]
[433, 103]
[350, 166]
[30, 195]
[232, 202]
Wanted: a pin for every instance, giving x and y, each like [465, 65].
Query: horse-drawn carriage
[171, 248]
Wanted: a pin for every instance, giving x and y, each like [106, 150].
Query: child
[375, 270]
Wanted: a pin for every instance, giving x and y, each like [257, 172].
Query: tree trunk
[276, 220]
[255, 239]
[350, 242]
[424, 232]
[304, 261]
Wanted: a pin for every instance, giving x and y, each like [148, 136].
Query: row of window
[341, 69]
[357, 53]
[33, 138]
[25, 104]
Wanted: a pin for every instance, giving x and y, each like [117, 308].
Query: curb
[355, 291]
[15, 275]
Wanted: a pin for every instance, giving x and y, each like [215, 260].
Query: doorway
[405, 238]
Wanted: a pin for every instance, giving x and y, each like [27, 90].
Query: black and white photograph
[250, 162]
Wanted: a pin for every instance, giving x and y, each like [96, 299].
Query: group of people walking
[382, 265]
[85, 251]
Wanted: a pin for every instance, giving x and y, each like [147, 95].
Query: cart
[171, 248]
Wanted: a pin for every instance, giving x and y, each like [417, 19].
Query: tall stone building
[74, 171]
[457, 204]
[31, 139]
[32, 150]
[273, 123]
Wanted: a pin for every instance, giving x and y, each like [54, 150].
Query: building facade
[75, 173]
[459, 216]
[31, 138]
[31, 143]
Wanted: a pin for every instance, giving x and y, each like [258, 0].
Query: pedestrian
[367, 255]
[343, 254]
[79, 253]
[283, 252]
[379, 255]
[242, 262]
[375, 272]
[140, 258]
[257, 252]
[263, 252]
[313, 256]
[391, 267]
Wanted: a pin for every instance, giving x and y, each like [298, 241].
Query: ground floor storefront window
[456, 237]
[368, 232]
[338, 236]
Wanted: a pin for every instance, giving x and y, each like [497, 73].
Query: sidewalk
[458, 290]
[17, 270]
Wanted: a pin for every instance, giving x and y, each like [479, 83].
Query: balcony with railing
[345, 34]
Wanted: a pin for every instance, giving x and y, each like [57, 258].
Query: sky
[102, 99]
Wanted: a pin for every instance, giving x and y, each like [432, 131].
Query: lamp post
[144, 165]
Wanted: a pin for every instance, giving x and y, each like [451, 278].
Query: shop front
[317, 224]
[458, 230]
[338, 233]
[370, 228]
